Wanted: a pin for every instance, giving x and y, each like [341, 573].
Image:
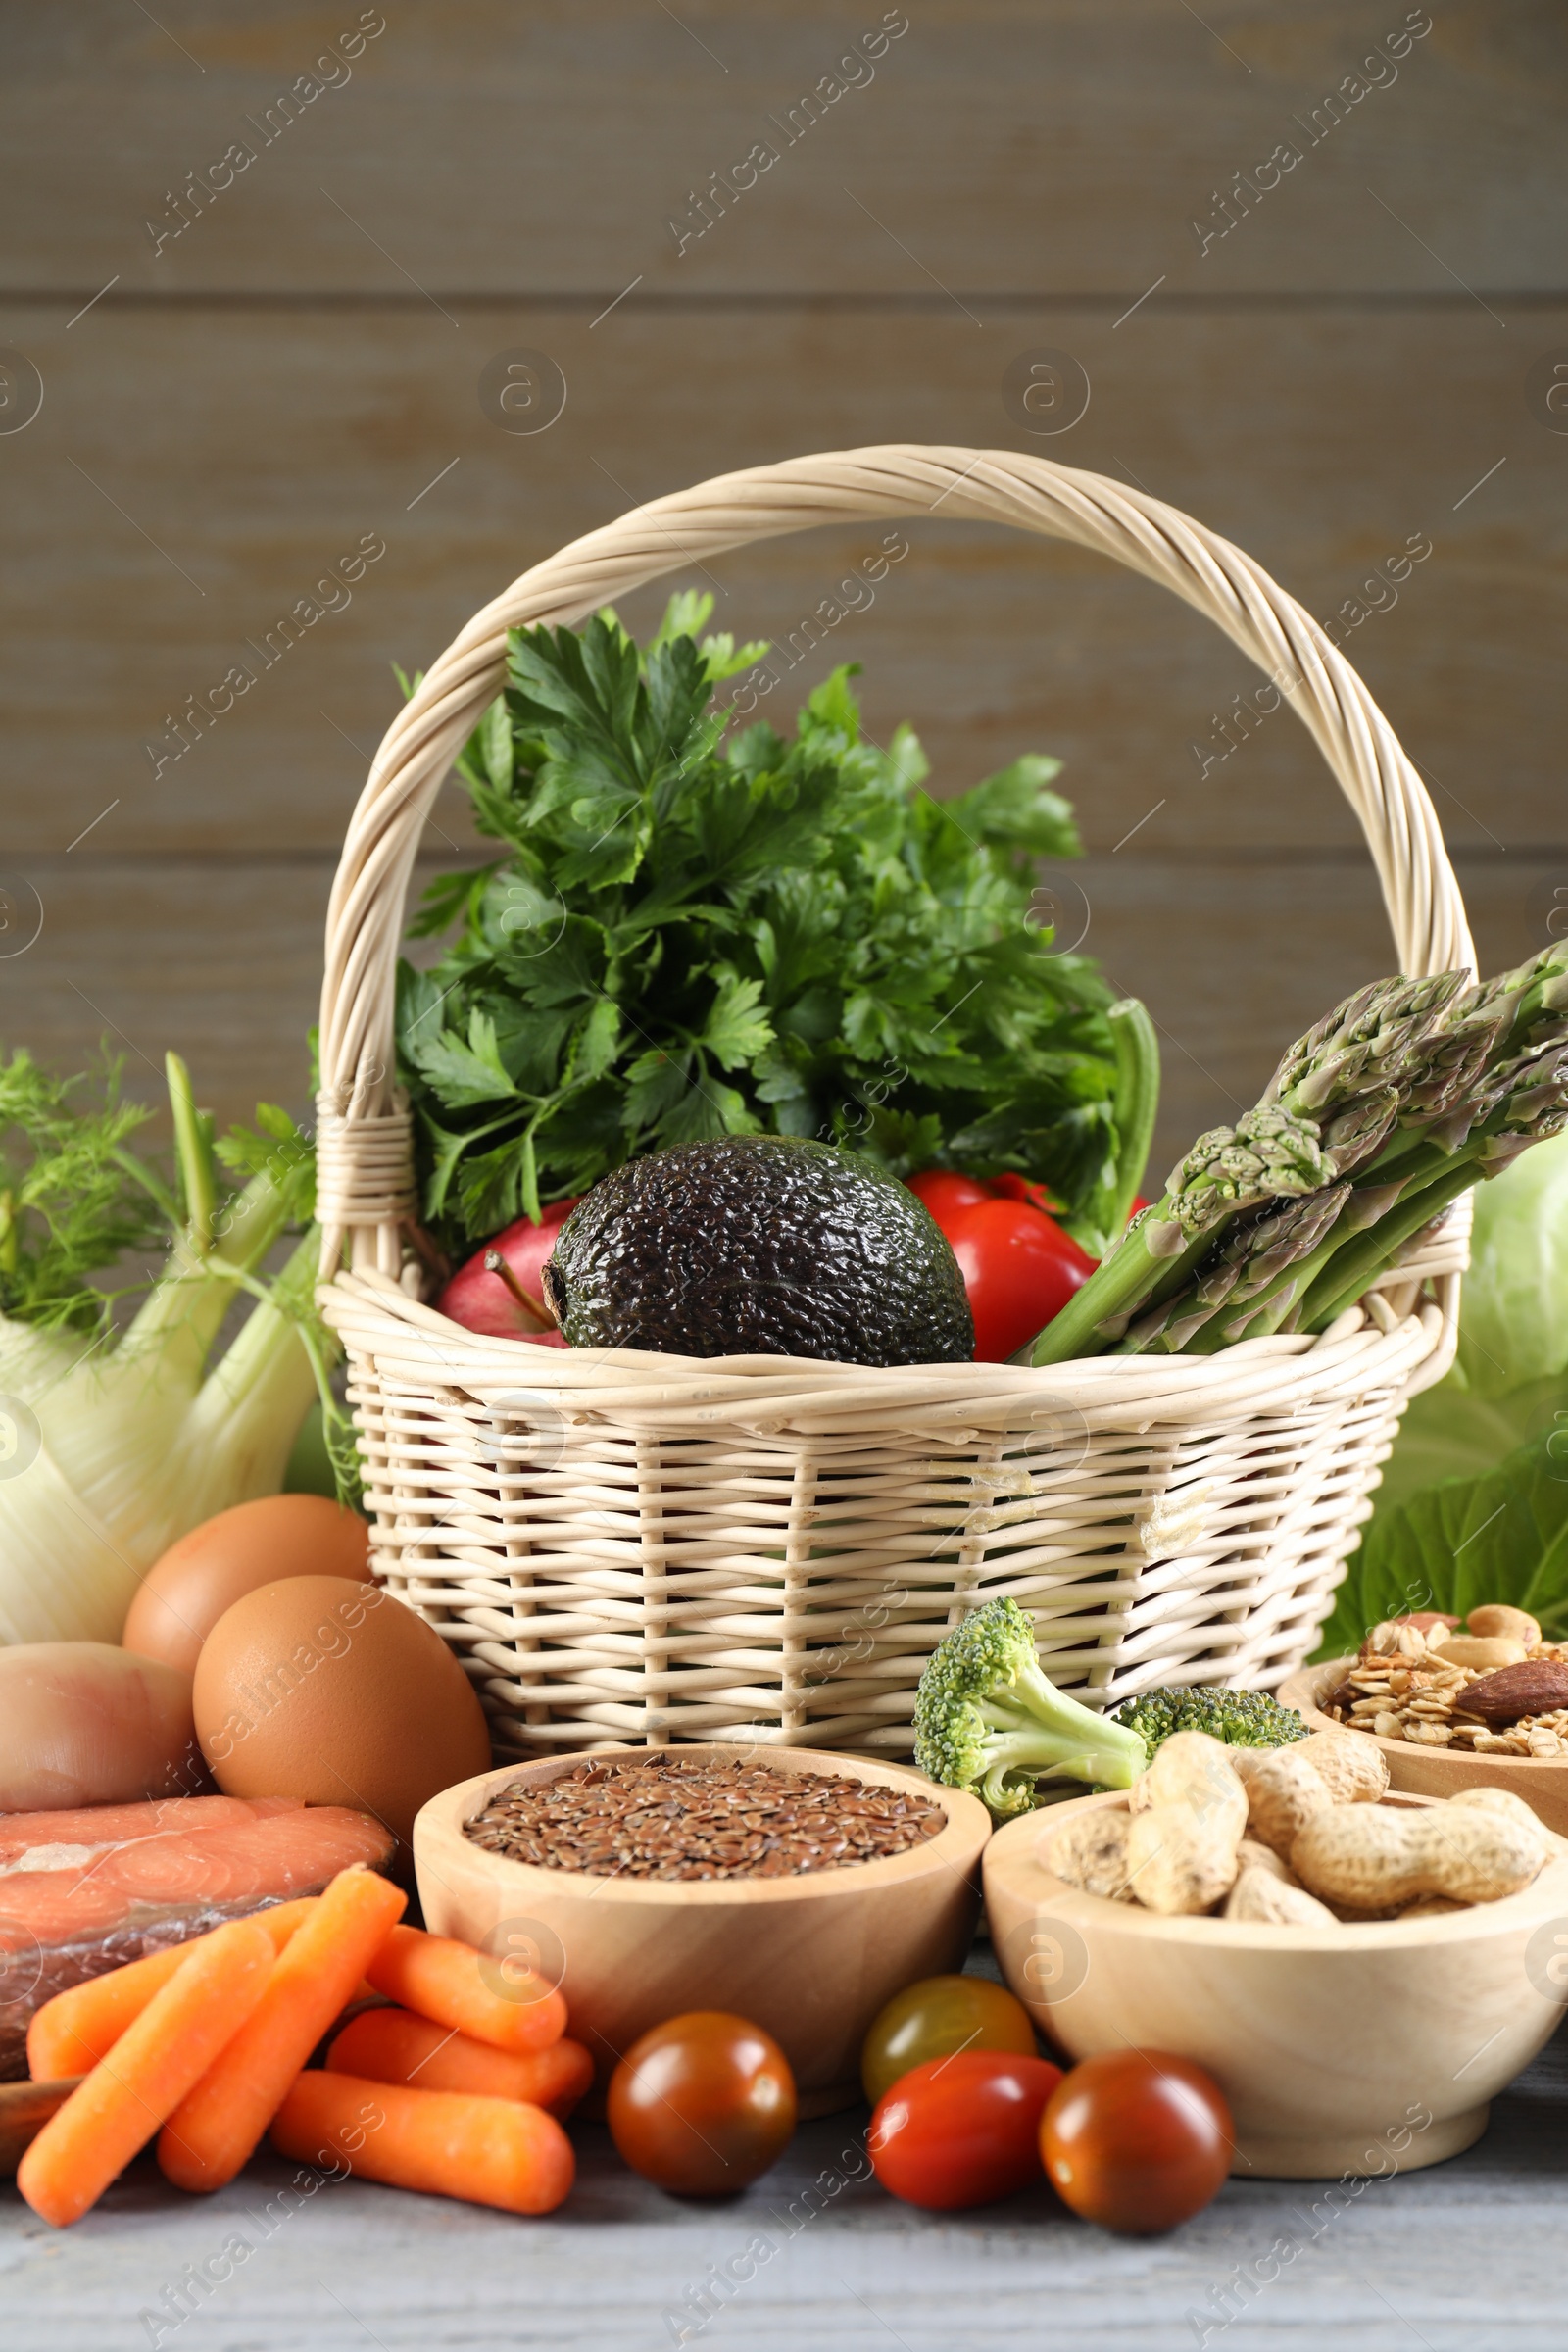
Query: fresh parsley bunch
[686, 937]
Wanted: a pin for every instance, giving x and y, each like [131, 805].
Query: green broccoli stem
[1134, 1101]
[1052, 1736]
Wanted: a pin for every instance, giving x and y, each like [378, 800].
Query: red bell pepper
[1018, 1266]
[510, 1305]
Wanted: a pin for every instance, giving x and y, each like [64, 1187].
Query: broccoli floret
[1241, 1718]
[987, 1719]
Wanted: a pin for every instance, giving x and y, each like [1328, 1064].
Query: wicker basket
[624, 1547]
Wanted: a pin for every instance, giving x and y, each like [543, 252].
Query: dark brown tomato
[1137, 2140]
[702, 2104]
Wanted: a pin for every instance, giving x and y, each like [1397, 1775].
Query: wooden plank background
[1357, 360]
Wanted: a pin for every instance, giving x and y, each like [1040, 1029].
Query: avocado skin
[759, 1245]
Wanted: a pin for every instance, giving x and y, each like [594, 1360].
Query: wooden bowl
[811, 1959]
[1344, 2050]
[1541, 1781]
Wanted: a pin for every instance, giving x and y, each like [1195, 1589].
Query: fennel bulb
[116, 1440]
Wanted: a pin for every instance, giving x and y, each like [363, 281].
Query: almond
[1535, 1688]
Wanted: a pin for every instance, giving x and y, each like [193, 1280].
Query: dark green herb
[686, 937]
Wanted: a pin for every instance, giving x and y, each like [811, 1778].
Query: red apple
[482, 1300]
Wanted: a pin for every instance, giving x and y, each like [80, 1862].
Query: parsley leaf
[694, 930]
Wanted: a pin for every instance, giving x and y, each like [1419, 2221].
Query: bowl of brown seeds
[794, 1887]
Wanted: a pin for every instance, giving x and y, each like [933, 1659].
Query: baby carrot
[389, 2045]
[486, 2151]
[440, 1978]
[220, 2120]
[160, 2055]
[81, 2025]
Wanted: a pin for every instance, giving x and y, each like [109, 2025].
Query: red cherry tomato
[1009, 1186]
[1137, 2140]
[944, 1191]
[1019, 1269]
[961, 2131]
[484, 1301]
[935, 2017]
[702, 2104]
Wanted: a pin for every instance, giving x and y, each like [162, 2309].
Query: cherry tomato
[934, 2018]
[944, 1191]
[1137, 2140]
[702, 2104]
[1009, 1186]
[1019, 1269]
[961, 2131]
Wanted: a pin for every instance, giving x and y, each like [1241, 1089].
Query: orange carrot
[217, 2125]
[445, 1979]
[81, 2025]
[486, 2151]
[152, 2067]
[390, 2045]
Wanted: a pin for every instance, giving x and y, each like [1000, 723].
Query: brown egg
[180, 1599]
[332, 1691]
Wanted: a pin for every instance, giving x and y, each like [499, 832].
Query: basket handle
[365, 1140]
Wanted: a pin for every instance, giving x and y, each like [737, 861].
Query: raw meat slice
[142, 1891]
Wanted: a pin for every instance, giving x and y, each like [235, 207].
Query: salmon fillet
[114, 1825]
[83, 1891]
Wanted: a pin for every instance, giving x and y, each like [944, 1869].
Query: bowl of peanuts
[1360, 1970]
[1481, 1705]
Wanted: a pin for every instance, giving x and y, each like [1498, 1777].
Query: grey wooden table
[1463, 2258]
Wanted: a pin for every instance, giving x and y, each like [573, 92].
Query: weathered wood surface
[238, 409]
[257, 450]
[1059, 145]
[221, 956]
[1466, 2257]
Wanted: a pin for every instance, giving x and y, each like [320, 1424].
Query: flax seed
[663, 1817]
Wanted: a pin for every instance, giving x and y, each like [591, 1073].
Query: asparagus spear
[1413, 1088]
[1377, 1038]
[1533, 1104]
[1269, 1155]
[1234, 1286]
[1521, 1100]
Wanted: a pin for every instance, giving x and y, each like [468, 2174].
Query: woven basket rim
[1276, 1374]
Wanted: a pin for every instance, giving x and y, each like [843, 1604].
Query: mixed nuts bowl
[1451, 1707]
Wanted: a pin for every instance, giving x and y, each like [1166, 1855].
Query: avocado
[759, 1244]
